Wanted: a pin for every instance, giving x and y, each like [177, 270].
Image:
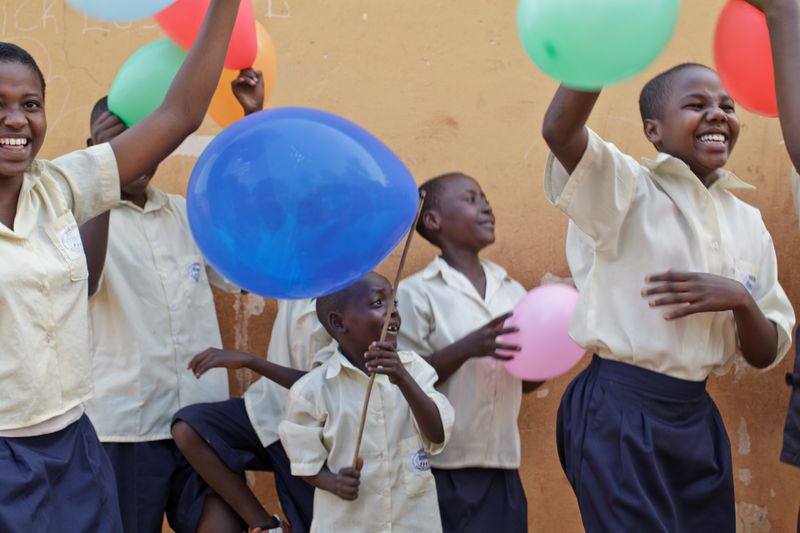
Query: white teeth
[13, 141]
[712, 137]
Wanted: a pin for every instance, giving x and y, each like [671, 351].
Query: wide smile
[713, 140]
[18, 146]
[394, 328]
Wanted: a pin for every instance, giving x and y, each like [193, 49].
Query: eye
[31, 105]
[378, 302]
[693, 105]
[728, 108]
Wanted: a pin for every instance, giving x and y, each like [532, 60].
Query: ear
[336, 323]
[652, 130]
[431, 221]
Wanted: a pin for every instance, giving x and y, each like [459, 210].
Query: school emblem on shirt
[194, 272]
[70, 240]
[420, 464]
[748, 280]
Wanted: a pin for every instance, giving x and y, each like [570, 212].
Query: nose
[486, 207]
[13, 117]
[716, 114]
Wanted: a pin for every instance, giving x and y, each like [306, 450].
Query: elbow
[553, 135]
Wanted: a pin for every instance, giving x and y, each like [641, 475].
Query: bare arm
[216, 358]
[145, 144]
[564, 128]
[383, 359]
[783, 21]
[94, 234]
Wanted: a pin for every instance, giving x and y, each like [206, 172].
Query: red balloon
[183, 19]
[743, 57]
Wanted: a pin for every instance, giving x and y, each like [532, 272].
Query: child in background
[783, 22]
[392, 487]
[55, 473]
[682, 278]
[453, 313]
[221, 440]
[148, 320]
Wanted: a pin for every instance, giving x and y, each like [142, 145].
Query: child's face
[22, 120]
[365, 312]
[465, 216]
[699, 125]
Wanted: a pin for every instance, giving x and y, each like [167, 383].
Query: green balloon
[143, 80]
[587, 44]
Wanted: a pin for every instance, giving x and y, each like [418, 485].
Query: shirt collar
[667, 165]
[495, 276]
[155, 201]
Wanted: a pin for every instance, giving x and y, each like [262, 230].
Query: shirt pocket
[746, 273]
[65, 235]
[415, 467]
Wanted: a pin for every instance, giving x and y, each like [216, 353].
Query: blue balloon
[298, 203]
[120, 10]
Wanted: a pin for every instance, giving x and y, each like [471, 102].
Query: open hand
[382, 358]
[347, 481]
[248, 89]
[698, 292]
[483, 341]
[216, 358]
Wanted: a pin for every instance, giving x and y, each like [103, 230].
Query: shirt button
[42, 288]
[715, 245]
[49, 338]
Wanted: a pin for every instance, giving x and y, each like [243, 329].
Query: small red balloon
[743, 56]
[183, 19]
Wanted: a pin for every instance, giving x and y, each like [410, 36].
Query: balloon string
[385, 329]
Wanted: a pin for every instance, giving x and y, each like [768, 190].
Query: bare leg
[231, 487]
[218, 517]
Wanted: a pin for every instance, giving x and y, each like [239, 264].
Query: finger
[380, 354]
[669, 275]
[383, 345]
[504, 331]
[507, 347]
[501, 356]
[107, 133]
[687, 310]
[500, 319]
[351, 472]
[674, 298]
[670, 286]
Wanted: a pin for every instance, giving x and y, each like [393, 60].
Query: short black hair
[656, 92]
[11, 53]
[433, 190]
[335, 302]
[99, 107]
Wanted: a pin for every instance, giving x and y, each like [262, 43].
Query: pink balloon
[183, 19]
[542, 317]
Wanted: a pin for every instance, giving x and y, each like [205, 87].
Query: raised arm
[564, 128]
[149, 141]
[783, 21]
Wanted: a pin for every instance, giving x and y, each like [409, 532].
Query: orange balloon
[224, 107]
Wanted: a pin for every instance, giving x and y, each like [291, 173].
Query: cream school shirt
[636, 219]
[297, 339]
[153, 312]
[439, 306]
[45, 364]
[397, 491]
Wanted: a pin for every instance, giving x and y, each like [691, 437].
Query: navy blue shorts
[62, 481]
[480, 500]
[226, 427]
[645, 452]
[790, 452]
[154, 478]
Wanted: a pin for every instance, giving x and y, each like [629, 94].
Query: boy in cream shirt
[392, 488]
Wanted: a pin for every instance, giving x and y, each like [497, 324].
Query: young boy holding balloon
[783, 23]
[682, 278]
[453, 313]
[55, 473]
[147, 322]
[390, 488]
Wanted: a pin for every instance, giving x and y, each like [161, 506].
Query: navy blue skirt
[61, 481]
[790, 452]
[480, 500]
[226, 427]
[645, 452]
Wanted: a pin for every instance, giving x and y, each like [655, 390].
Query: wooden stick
[385, 329]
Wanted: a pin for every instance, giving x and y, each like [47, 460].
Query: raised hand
[698, 292]
[382, 358]
[483, 341]
[107, 126]
[248, 89]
